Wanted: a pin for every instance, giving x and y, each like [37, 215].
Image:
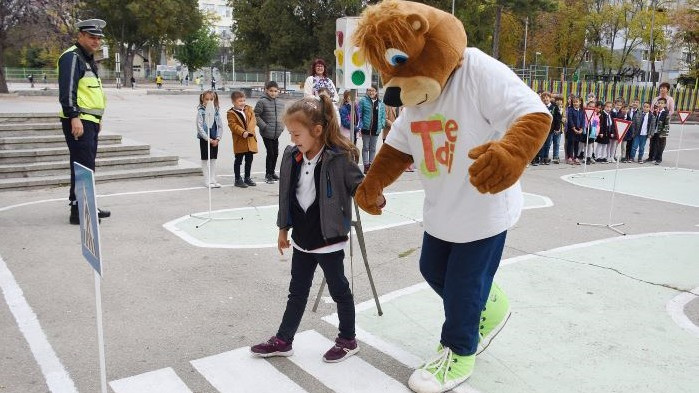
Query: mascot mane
[381, 28]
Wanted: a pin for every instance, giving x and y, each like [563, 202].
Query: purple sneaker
[273, 347]
[342, 349]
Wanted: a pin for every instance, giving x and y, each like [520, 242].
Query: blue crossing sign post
[90, 240]
[89, 222]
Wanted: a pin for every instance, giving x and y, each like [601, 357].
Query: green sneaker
[444, 372]
[495, 315]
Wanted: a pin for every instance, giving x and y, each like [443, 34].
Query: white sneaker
[444, 372]
[216, 185]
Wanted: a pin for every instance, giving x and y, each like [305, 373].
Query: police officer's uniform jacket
[80, 88]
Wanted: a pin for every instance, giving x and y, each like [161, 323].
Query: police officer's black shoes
[74, 216]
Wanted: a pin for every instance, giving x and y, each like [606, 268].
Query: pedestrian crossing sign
[89, 221]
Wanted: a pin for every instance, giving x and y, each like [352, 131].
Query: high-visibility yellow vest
[91, 99]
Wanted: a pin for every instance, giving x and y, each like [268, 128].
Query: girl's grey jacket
[268, 110]
[339, 179]
[203, 131]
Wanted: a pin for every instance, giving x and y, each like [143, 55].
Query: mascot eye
[395, 56]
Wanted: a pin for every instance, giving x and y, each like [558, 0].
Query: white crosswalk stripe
[159, 381]
[352, 375]
[237, 371]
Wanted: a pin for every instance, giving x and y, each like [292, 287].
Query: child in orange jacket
[242, 123]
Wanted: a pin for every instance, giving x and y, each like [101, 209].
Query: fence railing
[685, 98]
[14, 74]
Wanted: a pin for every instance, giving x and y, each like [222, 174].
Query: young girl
[345, 117]
[242, 123]
[208, 138]
[373, 121]
[575, 123]
[605, 133]
[319, 176]
[593, 132]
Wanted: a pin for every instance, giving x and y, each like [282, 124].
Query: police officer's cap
[92, 26]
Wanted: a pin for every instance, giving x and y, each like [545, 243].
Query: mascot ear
[418, 23]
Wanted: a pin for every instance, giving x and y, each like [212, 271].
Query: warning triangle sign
[622, 126]
[588, 113]
[683, 116]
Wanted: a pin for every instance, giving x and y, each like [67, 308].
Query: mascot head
[414, 47]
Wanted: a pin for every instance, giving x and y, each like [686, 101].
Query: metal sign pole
[100, 333]
[684, 115]
[609, 224]
[357, 224]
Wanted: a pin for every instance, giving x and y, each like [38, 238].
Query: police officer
[82, 102]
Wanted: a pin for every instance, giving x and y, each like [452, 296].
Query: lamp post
[650, 47]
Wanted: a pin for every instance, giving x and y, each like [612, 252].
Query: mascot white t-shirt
[478, 104]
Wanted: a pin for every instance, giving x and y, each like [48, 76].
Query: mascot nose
[392, 97]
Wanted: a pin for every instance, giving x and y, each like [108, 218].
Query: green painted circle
[358, 77]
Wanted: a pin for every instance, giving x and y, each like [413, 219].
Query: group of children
[243, 121]
[596, 140]
[372, 118]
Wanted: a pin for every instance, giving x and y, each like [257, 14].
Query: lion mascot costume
[471, 126]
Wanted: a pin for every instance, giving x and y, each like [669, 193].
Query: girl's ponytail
[331, 129]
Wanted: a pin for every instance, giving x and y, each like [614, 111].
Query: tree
[512, 33]
[135, 24]
[517, 7]
[287, 33]
[560, 36]
[686, 21]
[22, 21]
[197, 49]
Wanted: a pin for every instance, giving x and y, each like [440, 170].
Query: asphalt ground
[167, 302]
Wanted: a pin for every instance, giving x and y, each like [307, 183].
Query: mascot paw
[366, 197]
[495, 169]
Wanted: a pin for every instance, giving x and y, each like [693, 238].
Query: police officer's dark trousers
[83, 150]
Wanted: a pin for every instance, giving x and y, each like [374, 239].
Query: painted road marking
[680, 187]
[257, 227]
[237, 371]
[675, 308]
[57, 378]
[354, 375]
[164, 380]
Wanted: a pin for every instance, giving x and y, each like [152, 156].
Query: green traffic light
[358, 77]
